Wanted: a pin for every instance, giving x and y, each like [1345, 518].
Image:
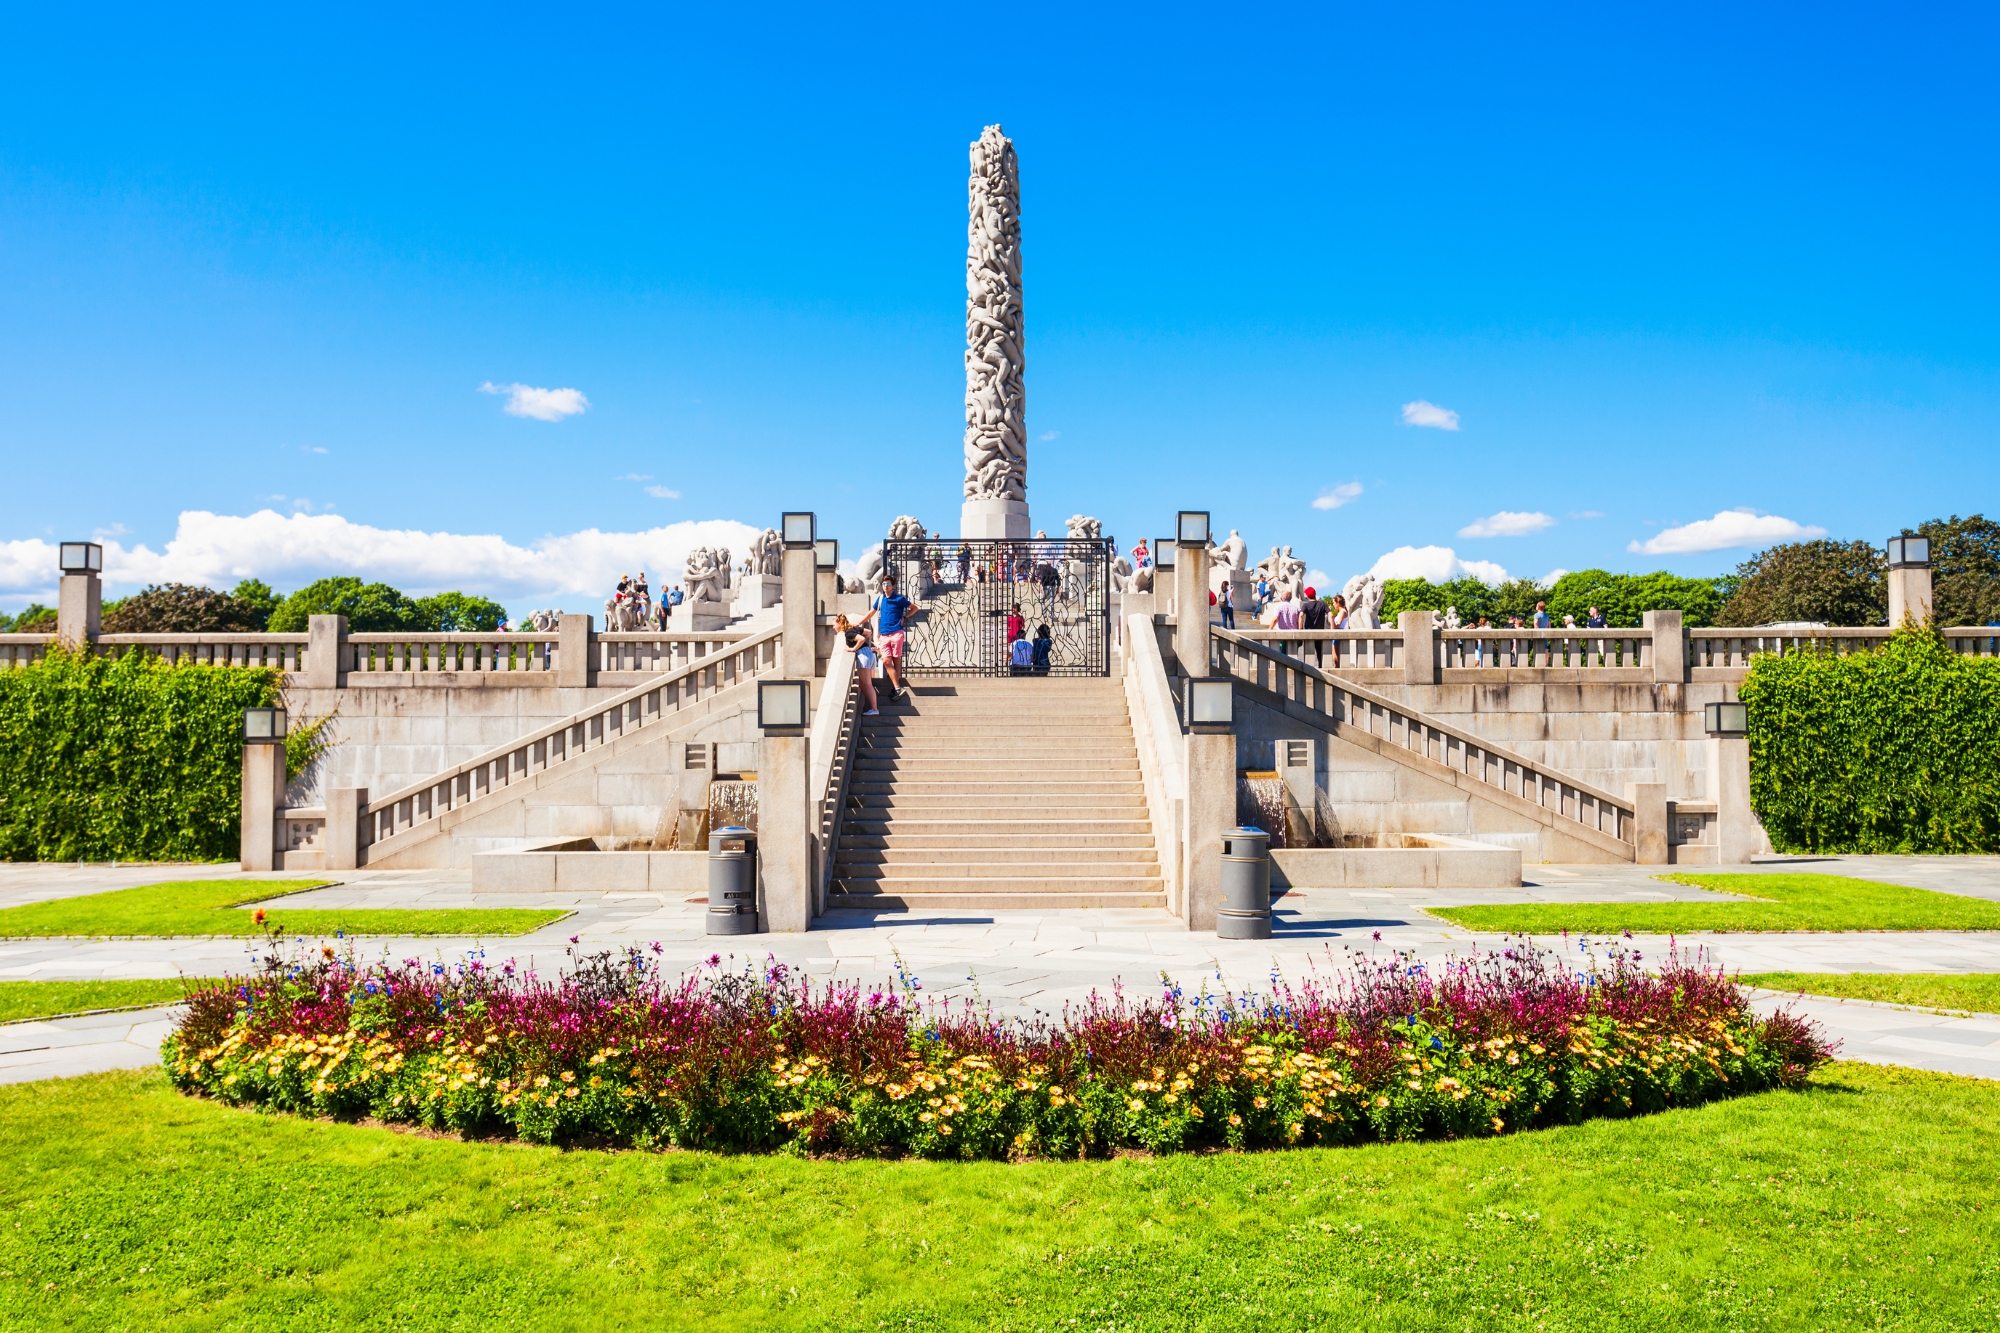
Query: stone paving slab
[86, 1044]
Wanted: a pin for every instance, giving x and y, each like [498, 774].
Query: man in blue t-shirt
[890, 612]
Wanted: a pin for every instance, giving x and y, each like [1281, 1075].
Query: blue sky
[1661, 266]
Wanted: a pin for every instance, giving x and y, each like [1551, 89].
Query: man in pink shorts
[890, 611]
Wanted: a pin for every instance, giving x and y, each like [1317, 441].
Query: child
[1039, 655]
[1022, 658]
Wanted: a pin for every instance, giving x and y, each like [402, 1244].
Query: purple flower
[1378, 936]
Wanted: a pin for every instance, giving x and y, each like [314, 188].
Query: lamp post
[263, 787]
[1191, 610]
[799, 645]
[1739, 835]
[826, 573]
[1209, 705]
[1909, 579]
[784, 815]
[1191, 528]
[80, 599]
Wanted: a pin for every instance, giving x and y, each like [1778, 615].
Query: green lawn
[1757, 902]
[40, 999]
[1978, 992]
[225, 907]
[1865, 1201]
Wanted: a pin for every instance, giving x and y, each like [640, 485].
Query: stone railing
[1354, 649]
[1512, 649]
[1499, 769]
[1157, 736]
[366, 655]
[281, 652]
[830, 751]
[651, 652]
[660, 699]
[19, 650]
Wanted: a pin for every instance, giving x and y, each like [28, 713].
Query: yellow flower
[1235, 1119]
[1498, 1124]
[567, 1077]
[926, 1117]
[1136, 1104]
[1257, 1102]
[944, 1129]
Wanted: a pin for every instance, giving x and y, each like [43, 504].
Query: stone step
[1011, 750]
[873, 824]
[1055, 783]
[1098, 838]
[1128, 874]
[912, 896]
[991, 810]
[849, 854]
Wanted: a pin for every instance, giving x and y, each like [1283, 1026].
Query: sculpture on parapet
[996, 431]
[1127, 579]
[767, 553]
[906, 529]
[1082, 528]
[706, 574]
[1364, 602]
[1284, 571]
[545, 621]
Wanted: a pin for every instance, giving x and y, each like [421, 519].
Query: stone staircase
[988, 793]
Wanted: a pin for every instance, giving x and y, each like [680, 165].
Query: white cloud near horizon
[1728, 529]
[1507, 523]
[573, 571]
[525, 400]
[1586, 513]
[1549, 579]
[1345, 493]
[663, 493]
[1439, 564]
[1421, 413]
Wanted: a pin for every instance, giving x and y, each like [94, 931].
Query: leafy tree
[455, 611]
[257, 594]
[177, 608]
[34, 619]
[369, 607]
[1965, 569]
[1472, 598]
[1835, 583]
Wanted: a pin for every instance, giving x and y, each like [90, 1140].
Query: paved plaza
[1026, 961]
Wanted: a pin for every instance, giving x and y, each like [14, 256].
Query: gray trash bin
[1244, 909]
[732, 881]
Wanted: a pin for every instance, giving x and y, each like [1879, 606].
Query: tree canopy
[1833, 583]
[177, 608]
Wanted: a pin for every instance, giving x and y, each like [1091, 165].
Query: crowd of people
[637, 595]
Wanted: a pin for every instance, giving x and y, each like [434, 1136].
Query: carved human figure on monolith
[996, 405]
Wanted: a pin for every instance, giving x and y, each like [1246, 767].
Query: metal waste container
[732, 881]
[1243, 911]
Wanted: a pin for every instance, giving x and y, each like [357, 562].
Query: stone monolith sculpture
[996, 430]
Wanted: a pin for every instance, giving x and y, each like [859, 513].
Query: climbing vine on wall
[1889, 751]
[123, 758]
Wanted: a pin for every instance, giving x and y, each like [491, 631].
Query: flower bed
[617, 1052]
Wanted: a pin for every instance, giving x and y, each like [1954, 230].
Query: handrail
[1557, 646]
[1348, 704]
[831, 749]
[551, 745]
[1156, 736]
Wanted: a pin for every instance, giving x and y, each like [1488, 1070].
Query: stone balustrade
[830, 752]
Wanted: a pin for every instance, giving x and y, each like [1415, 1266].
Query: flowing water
[732, 801]
[1260, 803]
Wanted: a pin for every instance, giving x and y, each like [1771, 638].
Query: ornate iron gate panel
[964, 591]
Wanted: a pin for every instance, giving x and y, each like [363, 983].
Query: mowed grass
[226, 907]
[1976, 992]
[1758, 902]
[39, 999]
[1865, 1201]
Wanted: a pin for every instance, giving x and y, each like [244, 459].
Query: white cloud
[525, 400]
[1051, 434]
[312, 449]
[1439, 564]
[1321, 582]
[1548, 580]
[1421, 413]
[573, 571]
[1345, 493]
[1507, 523]
[635, 476]
[663, 493]
[1586, 513]
[1730, 528]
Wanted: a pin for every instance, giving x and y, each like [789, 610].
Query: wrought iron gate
[965, 590]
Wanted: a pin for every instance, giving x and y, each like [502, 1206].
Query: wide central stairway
[982, 794]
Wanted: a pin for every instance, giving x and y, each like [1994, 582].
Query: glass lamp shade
[1191, 527]
[798, 529]
[1728, 720]
[80, 558]
[1211, 703]
[1163, 554]
[782, 705]
[1909, 552]
[263, 726]
[826, 554]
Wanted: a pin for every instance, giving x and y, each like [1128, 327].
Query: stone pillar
[263, 797]
[996, 425]
[1420, 655]
[1211, 812]
[326, 651]
[1669, 648]
[1909, 595]
[1649, 805]
[784, 829]
[1191, 637]
[796, 659]
[827, 588]
[1738, 834]
[343, 827]
[574, 669]
[79, 608]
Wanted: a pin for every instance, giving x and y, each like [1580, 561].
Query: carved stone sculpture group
[996, 431]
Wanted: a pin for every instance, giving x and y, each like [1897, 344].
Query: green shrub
[1889, 751]
[123, 758]
[1623, 598]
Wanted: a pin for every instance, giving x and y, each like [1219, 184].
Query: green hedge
[1889, 751]
[125, 758]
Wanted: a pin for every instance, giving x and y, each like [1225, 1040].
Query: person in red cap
[1313, 616]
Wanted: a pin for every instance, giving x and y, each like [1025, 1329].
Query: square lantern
[1728, 721]
[80, 558]
[797, 529]
[1909, 552]
[263, 726]
[1163, 553]
[1191, 527]
[826, 555]
[782, 705]
[1211, 703]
